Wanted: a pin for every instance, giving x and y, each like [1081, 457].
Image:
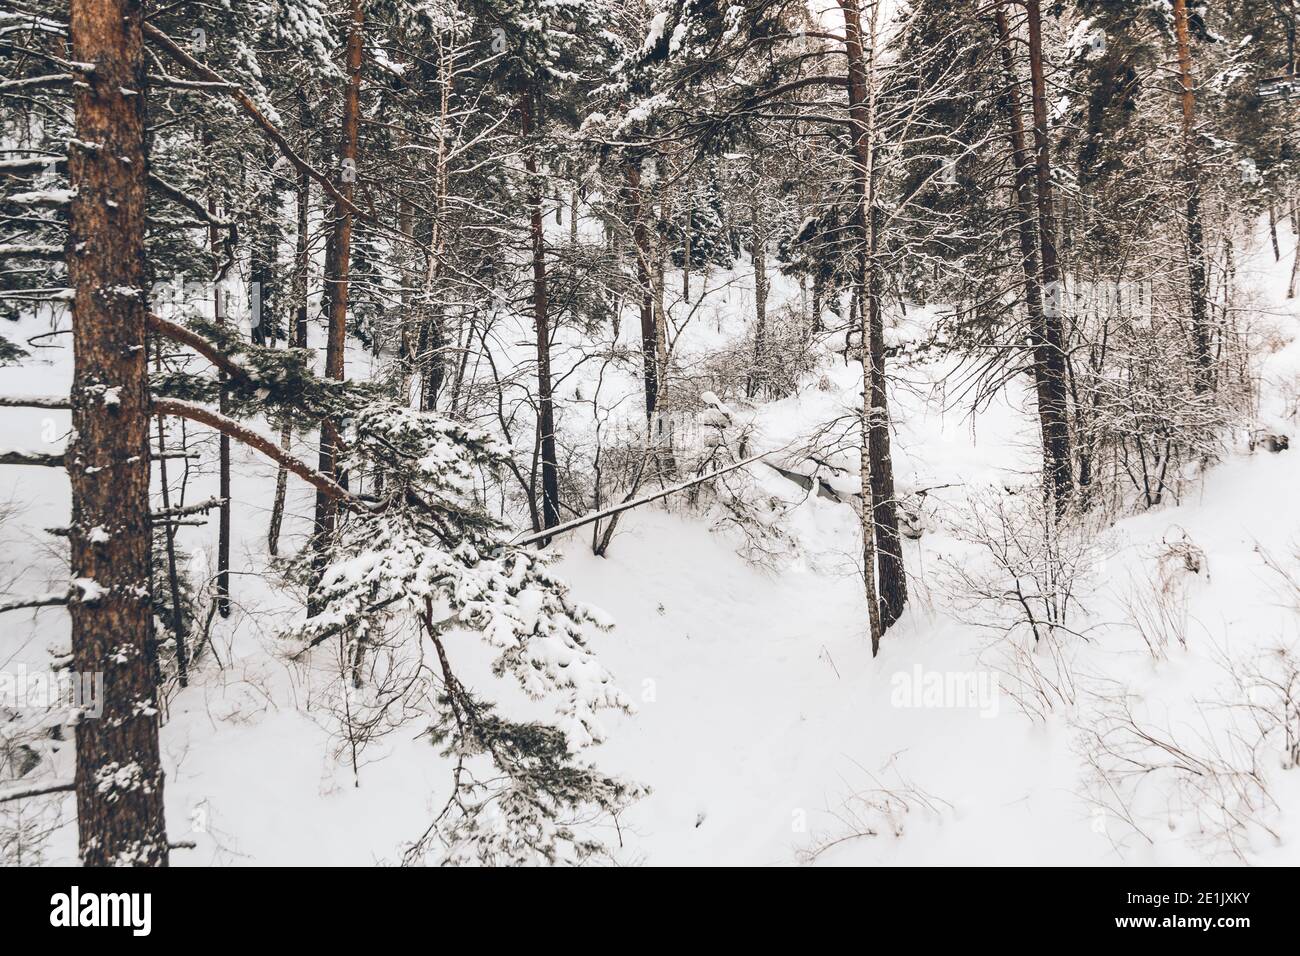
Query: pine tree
[119, 774]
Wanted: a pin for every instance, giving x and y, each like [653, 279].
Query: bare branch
[178, 333]
[269, 448]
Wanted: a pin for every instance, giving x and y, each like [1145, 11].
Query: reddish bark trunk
[119, 779]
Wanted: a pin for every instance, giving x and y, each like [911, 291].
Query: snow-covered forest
[649, 432]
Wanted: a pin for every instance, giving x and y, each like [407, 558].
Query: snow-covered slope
[766, 731]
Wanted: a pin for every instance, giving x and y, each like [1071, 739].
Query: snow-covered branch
[35, 790]
[178, 53]
[35, 401]
[16, 456]
[50, 599]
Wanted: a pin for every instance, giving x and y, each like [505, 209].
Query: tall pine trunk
[637, 213]
[302, 255]
[430, 344]
[223, 446]
[1053, 395]
[541, 322]
[338, 266]
[169, 536]
[758, 257]
[297, 335]
[889, 543]
[281, 488]
[882, 544]
[222, 581]
[119, 778]
[1049, 367]
[869, 548]
[1196, 272]
[661, 206]
[686, 252]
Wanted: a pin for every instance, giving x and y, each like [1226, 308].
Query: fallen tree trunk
[629, 505]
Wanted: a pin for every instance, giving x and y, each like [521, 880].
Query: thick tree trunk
[338, 266]
[662, 426]
[119, 779]
[298, 334]
[1196, 273]
[870, 550]
[541, 322]
[889, 543]
[1053, 397]
[431, 346]
[882, 544]
[431, 340]
[263, 322]
[405, 353]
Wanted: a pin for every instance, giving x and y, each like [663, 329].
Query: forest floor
[765, 729]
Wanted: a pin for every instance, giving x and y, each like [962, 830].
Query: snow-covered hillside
[765, 730]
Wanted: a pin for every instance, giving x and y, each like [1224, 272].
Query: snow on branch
[36, 790]
[30, 165]
[178, 53]
[200, 507]
[261, 378]
[21, 250]
[48, 81]
[16, 456]
[35, 401]
[51, 599]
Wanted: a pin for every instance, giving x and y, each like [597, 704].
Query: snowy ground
[761, 711]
